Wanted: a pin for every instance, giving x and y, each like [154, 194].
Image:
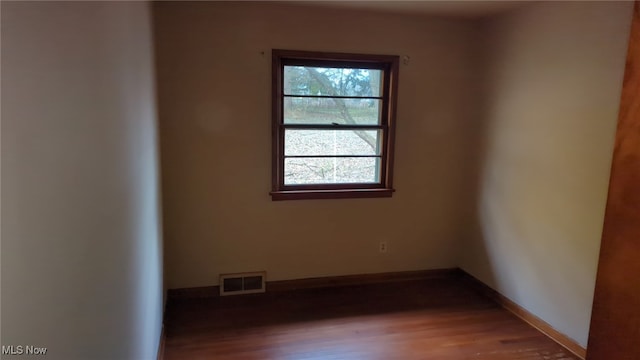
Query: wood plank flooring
[440, 319]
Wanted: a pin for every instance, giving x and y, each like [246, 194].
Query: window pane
[299, 171]
[299, 110]
[332, 142]
[308, 80]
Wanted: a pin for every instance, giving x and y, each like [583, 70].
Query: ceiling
[455, 8]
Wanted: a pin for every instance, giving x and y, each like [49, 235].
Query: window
[333, 124]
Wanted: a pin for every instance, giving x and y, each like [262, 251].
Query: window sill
[330, 194]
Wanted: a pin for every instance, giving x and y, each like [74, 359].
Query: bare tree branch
[342, 107]
[317, 170]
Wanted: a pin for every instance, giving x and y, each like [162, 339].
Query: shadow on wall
[550, 96]
[474, 255]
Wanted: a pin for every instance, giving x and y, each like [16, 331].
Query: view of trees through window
[324, 100]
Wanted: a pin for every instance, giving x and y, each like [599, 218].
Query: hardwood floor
[440, 319]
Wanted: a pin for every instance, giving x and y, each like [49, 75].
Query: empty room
[320, 180]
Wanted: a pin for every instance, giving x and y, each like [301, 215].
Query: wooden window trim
[390, 66]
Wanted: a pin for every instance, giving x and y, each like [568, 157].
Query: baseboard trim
[361, 279]
[193, 292]
[161, 345]
[323, 282]
[526, 316]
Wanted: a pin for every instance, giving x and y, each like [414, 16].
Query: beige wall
[519, 110]
[81, 246]
[553, 78]
[214, 96]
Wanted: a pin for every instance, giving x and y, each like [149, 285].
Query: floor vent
[242, 283]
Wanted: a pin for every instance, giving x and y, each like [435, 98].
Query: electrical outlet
[383, 246]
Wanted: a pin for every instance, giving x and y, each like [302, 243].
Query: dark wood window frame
[389, 64]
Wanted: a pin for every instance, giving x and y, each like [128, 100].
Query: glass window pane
[300, 110]
[308, 80]
[332, 142]
[299, 171]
